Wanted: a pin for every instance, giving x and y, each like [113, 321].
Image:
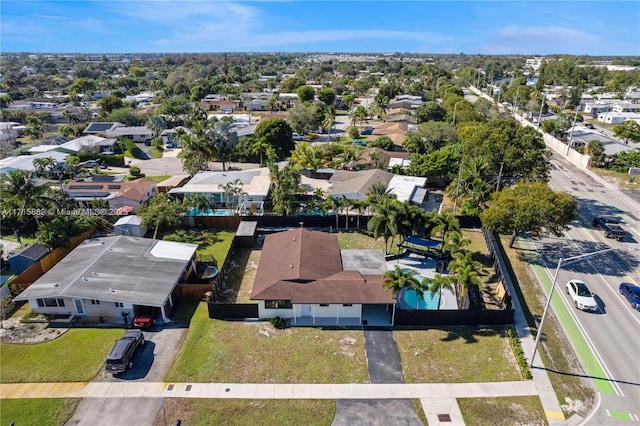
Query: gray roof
[123, 269]
[34, 252]
[350, 183]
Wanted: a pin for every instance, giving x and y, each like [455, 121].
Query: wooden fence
[36, 270]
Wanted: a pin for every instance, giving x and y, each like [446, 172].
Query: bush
[353, 132]
[278, 323]
[517, 350]
[134, 171]
[114, 160]
[131, 150]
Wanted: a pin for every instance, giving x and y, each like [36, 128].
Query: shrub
[278, 322]
[353, 132]
[134, 171]
[517, 351]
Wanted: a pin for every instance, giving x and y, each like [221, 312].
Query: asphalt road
[606, 341]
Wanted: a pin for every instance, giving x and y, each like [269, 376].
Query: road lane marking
[590, 363]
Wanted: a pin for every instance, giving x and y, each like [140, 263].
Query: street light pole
[563, 261]
[573, 128]
[455, 107]
[544, 97]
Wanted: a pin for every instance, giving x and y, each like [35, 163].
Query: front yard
[75, 356]
[256, 352]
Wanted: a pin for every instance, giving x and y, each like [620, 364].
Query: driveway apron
[385, 366]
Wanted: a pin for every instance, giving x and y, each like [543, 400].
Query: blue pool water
[409, 299]
[209, 212]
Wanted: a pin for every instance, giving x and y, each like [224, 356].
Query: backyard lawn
[214, 243]
[41, 412]
[256, 352]
[456, 355]
[79, 354]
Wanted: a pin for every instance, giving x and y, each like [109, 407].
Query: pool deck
[425, 267]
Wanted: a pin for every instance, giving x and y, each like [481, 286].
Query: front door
[306, 310]
[79, 306]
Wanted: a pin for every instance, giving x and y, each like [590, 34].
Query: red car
[146, 317]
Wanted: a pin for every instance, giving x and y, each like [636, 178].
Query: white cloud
[537, 39]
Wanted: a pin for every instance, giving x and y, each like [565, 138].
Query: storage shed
[246, 234]
[28, 256]
[131, 226]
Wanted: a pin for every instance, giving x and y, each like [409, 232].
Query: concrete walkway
[265, 391]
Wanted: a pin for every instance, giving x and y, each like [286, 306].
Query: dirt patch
[14, 331]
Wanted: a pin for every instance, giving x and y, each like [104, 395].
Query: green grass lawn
[156, 152]
[507, 411]
[75, 356]
[214, 243]
[239, 352]
[41, 412]
[158, 178]
[456, 355]
[241, 412]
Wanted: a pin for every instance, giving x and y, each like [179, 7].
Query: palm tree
[359, 114]
[397, 279]
[259, 146]
[379, 106]
[329, 120]
[378, 192]
[20, 192]
[376, 160]
[381, 224]
[39, 164]
[360, 206]
[455, 243]
[437, 284]
[446, 222]
[465, 272]
[333, 203]
[231, 190]
[200, 202]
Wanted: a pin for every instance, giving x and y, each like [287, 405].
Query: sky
[610, 28]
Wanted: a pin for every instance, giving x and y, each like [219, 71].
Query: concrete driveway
[385, 366]
[151, 364]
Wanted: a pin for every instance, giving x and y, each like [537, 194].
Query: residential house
[101, 127]
[25, 162]
[617, 117]
[134, 133]
[225, 106]
[108, 279]
[49, 144]
[356, 185]
[122, 197]
[89, 143]
[305, 277]
[386, 157]
[254, 186]
[27, 257]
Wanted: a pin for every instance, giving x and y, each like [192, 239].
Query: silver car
[581, 295]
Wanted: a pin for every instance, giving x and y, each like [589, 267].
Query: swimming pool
[209, 212]
[408, 299]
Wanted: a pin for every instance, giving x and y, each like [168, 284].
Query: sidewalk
[541, 380]
[265, 391]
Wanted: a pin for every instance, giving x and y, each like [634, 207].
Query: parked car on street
[297, 137]
[632, 293]
[588, 125]
[121, 357]
[581, 295]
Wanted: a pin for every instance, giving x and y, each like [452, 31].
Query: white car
[581, 296]
[297, 137]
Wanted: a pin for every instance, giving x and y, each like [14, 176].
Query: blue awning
[422, 242]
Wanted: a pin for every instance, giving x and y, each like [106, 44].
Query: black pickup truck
[610, 226]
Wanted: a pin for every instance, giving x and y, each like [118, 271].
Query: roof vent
[56, 284]
[95, 274]
[112, 290]
[294, 238]
[85, 279]
[291, 266]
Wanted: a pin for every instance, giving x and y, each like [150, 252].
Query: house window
[277, 304]
[324, 304]
[95, 302]
[346, 305]
[50, 302]
[119, 305]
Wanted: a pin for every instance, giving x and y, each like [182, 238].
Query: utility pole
[573, 127]
[541, 106]
[455, 203]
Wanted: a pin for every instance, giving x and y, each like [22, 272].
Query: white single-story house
[108, 279]
[617, 117]
[89, 143]
[356, 185]
[25, 162]
[305, 277]
[255, 185]
[101, 127]
[136, 134]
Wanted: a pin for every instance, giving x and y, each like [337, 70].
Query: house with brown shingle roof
[304, 276]
[121, 196]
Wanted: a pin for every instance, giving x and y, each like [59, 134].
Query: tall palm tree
[333, 203]
[397, 279]
[465, 272]
[381, 224]
[455, 243]
[437, 284]
[260, 147]
[378, 192]
[21, 196]
[446, 222]
[379, 106]
[329, 120]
